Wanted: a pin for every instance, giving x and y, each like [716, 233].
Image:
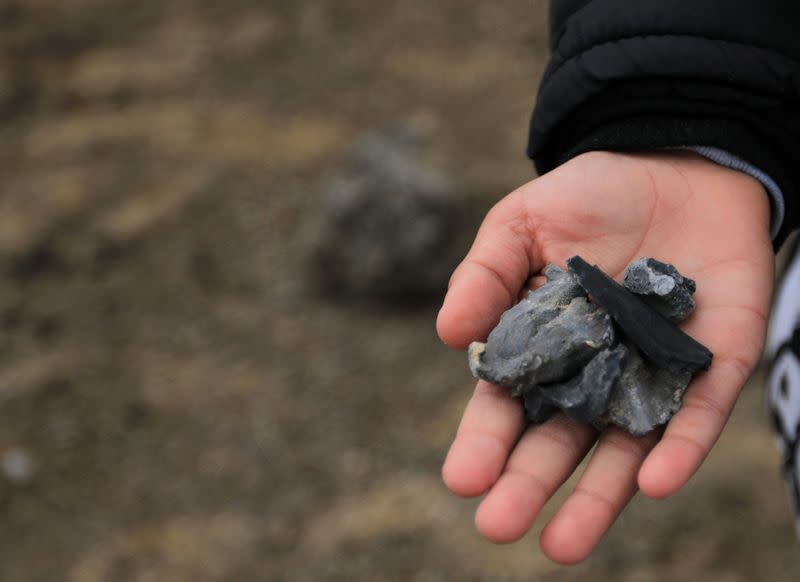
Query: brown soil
[195, 409]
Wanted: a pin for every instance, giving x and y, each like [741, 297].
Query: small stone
[644, 397]
[17, 466]
[586, 396]
[662, 287]
[540, 343]
[387, 228]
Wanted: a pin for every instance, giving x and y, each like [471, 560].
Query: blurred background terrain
[181, 396]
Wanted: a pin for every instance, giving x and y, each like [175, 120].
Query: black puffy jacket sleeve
[637, 75]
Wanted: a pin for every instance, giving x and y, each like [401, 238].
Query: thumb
[487, 281]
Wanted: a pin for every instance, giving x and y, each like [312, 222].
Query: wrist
[775, 192]
[728, 196]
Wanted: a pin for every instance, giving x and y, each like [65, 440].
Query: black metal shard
[661, 341]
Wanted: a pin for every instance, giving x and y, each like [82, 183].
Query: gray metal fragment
[644, 397]
[554, 273]
[518, 326]
[662, 287]
[555, 295]
[560, 352]
[586, 396]
[542, 342]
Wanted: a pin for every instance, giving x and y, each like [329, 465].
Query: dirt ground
[177, 401]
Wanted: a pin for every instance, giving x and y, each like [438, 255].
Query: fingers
[693, 431]
[605, 488]
[709, 400]
[490, 427]
[544, 458]
[487, 281]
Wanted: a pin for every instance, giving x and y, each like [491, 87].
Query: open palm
[712, 224]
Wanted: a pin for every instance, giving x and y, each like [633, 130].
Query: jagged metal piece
[586, 396]
[547, 337]
[537, 343]
[662, 287]
[519, 325]
[644, 397]
[661, 341]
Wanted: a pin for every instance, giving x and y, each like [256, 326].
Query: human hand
[712, 223]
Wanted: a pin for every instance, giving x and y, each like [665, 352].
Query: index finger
[489, 429]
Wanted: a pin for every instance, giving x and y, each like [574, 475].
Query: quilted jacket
[638, 75]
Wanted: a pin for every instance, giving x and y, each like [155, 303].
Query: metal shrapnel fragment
[535, 343]
[644, 397]
[662, 287]
[661, 341]
[560, 351]
[586, 396]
